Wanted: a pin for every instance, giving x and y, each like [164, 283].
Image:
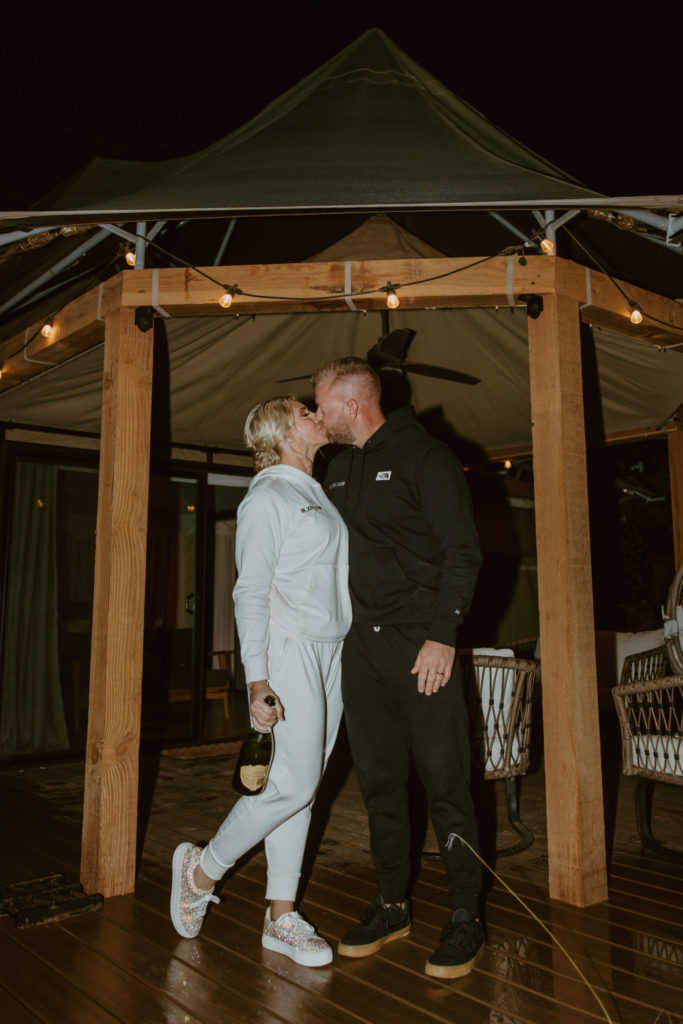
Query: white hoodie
[293, 563]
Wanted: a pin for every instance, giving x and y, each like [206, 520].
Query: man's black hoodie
[414, 553]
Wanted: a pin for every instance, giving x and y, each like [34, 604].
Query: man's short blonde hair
[264, 429]
[349, 366]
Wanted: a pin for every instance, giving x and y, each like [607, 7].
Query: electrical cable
[648, 316]
[314, 298]
[453, 836]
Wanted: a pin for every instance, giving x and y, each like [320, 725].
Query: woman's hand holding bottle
[264, 715]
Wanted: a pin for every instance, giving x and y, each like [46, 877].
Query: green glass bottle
[254, 759]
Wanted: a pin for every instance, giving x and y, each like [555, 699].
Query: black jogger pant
[387, 718]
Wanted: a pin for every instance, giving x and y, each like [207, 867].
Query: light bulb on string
[507, 464]
[130, 257]
[636, 313]
[228, 295]
[547, 246]
[392, 297]
[47, 329]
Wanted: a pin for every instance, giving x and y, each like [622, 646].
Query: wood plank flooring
[126, 963]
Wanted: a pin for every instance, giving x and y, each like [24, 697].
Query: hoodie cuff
[256, 668]
[444, 628]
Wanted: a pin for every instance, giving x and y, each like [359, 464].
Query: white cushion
[495, 684]
[658, 753]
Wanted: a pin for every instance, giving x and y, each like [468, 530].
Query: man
[414, 558]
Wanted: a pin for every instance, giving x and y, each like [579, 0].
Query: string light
[507, 464]
[392, 297]
[636, 312]
[226, 298]
[47, 330]
[229, 291]
[130, 257]
[547, 246]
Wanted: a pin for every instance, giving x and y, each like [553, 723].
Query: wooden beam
[573, 772]
[111, 763]
[318, 287]
[78, 327]
[603, 304]
[420, 284]
[675, 444]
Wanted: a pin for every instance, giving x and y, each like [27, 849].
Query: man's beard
[339, 434]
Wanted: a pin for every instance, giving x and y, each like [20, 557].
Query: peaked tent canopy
[333, 142]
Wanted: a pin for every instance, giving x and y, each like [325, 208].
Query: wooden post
[111, 764]
[573, 771]
[675, 445]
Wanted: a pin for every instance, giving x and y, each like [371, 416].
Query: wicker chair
[500, 691]
[649, 703]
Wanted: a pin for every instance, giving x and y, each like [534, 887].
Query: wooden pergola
[576, 839]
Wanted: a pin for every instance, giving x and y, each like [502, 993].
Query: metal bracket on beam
[144, 318]
[674, 226]
[534, 304]
[669, 226]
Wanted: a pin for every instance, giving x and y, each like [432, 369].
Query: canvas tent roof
[368, 130]
[220, 368]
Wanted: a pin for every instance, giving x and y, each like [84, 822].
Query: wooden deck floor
[126, 964]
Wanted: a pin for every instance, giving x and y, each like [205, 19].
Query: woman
[292, 610]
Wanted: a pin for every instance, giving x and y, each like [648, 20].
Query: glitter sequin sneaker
[188, 903]
[461, 943]
[296, 938]
[382, 922]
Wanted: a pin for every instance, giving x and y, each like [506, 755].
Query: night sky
[596, 95]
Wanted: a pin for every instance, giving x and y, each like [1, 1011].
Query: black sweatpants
[387, 718]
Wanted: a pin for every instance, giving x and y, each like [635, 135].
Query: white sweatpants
[306, 676]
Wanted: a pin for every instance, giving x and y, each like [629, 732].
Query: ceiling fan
[390, 354]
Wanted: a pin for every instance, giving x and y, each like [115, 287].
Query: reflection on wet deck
[127, 964]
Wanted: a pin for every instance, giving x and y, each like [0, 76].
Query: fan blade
[393, 345]
[287, 380]
[441, 372]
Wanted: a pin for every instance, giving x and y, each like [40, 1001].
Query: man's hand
[263, 716]
[433, 666]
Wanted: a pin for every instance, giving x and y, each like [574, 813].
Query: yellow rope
[519, 899]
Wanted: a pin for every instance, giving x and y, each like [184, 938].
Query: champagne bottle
[254, 759]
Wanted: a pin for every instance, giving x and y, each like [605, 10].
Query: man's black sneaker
[379, 924]
[461, 943]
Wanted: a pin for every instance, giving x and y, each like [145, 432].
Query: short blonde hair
[264, 429]
[349, 366]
